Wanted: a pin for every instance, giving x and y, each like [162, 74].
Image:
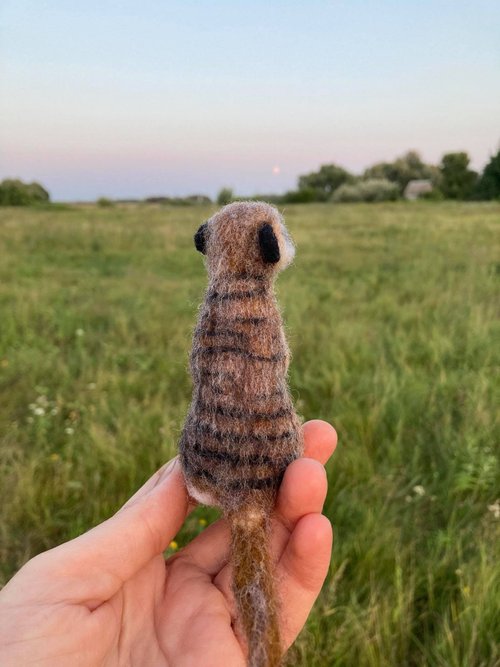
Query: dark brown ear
[269, 248]
[200, 240]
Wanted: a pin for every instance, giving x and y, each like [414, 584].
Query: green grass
[390, 311]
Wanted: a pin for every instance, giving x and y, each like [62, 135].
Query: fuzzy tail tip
[254, 587]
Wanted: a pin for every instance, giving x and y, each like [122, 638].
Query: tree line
[385, 181]
[14, 192]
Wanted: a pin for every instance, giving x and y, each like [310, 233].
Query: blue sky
[140, 98]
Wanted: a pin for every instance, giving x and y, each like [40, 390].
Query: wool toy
[241, 431]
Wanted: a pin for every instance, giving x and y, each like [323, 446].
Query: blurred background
[374, 127]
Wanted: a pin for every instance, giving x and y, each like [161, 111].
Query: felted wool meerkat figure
[241, 431]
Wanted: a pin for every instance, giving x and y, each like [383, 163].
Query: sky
[133, 99]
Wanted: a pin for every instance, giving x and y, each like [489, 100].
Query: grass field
[390, 311]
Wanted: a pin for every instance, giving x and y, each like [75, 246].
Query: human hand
[109, 597]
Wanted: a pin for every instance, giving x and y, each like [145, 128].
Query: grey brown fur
[242, 431]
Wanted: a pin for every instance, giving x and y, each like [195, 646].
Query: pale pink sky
[128, 99]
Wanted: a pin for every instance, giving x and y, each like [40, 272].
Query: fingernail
[166, 470]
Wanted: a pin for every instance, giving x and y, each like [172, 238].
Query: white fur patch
[287, 249]
[204, 498]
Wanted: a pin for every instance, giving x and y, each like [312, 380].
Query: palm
[199, 608]
[172, 614]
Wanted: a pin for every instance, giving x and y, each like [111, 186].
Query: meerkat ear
[269, 248]
[200, 240]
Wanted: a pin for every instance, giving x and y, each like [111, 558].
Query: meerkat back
[241, 431]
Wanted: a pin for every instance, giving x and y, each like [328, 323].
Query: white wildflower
[408, 499]
[39, 411]
[69, 430]
[495, 509]
[79, 332]
[54, 411]
[419, 490]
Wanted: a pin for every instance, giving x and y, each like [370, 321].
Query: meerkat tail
[254, 587]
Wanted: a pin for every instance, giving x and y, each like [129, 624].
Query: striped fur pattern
[241, 431]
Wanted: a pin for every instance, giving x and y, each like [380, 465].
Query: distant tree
[225, 196]
[104, 202]
[488, 186]
[404, 169]
[323, 183]
[457, 180]
[301, 196]
[14, 192]
[158, 200]
[38, 193]
[370, 190]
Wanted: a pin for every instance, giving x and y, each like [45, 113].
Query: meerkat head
[245, 237]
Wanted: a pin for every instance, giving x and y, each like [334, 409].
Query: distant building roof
[417, 187]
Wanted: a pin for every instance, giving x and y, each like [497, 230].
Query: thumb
[96, 564]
